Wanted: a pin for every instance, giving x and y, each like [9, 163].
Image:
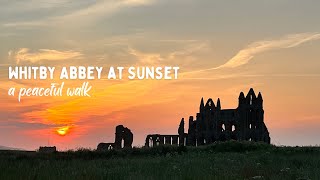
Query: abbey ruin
[123, 139]
[212, 124]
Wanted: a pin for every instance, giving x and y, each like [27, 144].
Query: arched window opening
[233, 128]
[223, 127]
[122, 143]
[110, 147]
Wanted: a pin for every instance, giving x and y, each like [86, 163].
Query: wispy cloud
[178, 55]
[86, 14]
[245, 55]
[193, 48]
[24, 54]
[103, 8]
[8, 34]
[240, 76]
[32, 5]
[26, 23]
[145, 58]
[177, 40]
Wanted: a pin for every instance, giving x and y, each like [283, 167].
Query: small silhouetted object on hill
[245, 123]
[47, 149]
[123, 139]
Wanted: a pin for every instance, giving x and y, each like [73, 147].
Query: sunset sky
[222, 48]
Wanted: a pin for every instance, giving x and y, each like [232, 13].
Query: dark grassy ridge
[229, 160]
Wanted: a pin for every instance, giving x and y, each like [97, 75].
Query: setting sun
[62, 131]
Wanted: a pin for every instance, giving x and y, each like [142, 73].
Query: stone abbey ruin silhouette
[212, 123]
[123, 139]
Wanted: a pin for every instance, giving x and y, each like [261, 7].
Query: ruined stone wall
[212, 123]
[123, 139]
[153, 140]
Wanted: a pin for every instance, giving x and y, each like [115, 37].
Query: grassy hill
[229, 160]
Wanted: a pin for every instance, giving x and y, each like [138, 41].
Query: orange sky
[221, 50]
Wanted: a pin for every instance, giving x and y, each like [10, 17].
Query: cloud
[8, 34]
[25, 24]
[104, 8]
[193, 48]
[158, 58]
[240, 76]
[177, 40]
[245, 55]
[32, 5]
[145, 58]
[85, 14]
[24, 54]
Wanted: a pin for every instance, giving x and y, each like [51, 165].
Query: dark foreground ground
[231, 160]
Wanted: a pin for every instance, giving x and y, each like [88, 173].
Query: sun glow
[62, 131]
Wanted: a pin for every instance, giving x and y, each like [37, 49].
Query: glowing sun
[62, 131]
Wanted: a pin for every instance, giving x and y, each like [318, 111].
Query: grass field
[229, 160]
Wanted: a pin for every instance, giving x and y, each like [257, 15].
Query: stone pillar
[181, 132]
